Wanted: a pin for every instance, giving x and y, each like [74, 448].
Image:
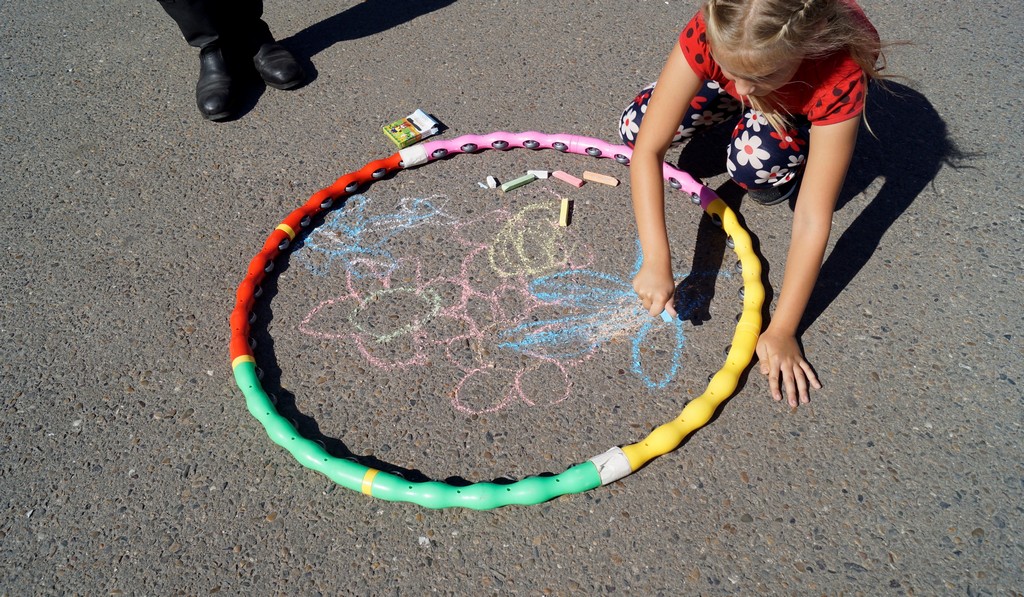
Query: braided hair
[761, 35]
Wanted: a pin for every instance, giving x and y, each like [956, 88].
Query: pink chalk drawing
[397, 316]
[345, 317]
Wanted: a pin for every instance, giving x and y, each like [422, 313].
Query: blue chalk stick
[666, 316]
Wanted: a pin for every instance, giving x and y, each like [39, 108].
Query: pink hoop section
[503, 140]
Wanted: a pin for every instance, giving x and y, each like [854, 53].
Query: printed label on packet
[412, 128]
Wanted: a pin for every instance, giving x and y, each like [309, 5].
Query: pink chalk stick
[566, 177]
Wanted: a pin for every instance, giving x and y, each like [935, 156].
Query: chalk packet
[411, 129]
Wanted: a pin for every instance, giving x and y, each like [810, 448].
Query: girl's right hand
[655, 289]
[677, 86]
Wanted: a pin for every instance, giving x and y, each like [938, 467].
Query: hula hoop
[602, 469]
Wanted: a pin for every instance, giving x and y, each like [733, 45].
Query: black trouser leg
[228, 22]
[197, 20]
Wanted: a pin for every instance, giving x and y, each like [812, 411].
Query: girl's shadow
[907, 145]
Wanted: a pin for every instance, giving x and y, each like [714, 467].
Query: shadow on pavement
[361, 20]
[907, 145]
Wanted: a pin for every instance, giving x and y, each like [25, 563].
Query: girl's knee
[759, 157]
[629, 122]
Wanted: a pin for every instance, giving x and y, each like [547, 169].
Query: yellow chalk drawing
[531, 243]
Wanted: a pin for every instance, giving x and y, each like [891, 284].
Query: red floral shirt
[826, 90]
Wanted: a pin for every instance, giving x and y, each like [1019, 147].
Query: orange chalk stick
[566, 177]
[600, 178]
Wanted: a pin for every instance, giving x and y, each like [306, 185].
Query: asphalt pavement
[446, 331]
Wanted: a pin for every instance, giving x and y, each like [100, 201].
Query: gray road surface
[131, 466]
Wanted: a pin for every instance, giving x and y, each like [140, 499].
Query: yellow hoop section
[698, 412]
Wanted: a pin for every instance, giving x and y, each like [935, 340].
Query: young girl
[800, 68]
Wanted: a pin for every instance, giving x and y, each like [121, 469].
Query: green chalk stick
[515, 184]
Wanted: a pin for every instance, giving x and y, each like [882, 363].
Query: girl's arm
[831, 147]
[676, 88]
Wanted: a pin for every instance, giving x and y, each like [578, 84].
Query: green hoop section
[602, 469]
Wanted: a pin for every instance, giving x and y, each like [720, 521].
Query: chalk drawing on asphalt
[524, 308]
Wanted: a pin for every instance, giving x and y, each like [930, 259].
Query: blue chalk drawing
[602, 308]
[350, 234]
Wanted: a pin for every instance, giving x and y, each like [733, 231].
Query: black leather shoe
[278, 67]
[213, 91]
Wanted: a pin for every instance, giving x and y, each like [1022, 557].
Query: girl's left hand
[782, 361]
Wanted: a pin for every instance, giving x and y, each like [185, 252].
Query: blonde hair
[763, 34]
